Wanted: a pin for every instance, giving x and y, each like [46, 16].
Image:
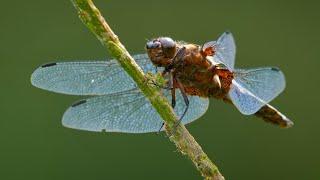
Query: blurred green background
[34, 145]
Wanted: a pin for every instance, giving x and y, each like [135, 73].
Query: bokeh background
[34, 145]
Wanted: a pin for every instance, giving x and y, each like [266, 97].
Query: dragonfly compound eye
[153, 44]
[168, 47]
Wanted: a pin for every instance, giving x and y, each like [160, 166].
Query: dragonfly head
[161, 51]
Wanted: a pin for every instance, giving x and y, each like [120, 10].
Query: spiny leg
[173, 81]
[176, 83]
[179, 56]
[175, 60]
[185, 99]
[173, 98]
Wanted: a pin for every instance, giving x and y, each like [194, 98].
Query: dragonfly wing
[253, 88]
[197, 106]
[225, 50]
[128, 112]
[246, 102]
[87, 78]
[265, 83]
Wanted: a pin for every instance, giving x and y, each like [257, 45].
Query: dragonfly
[208, 71]
[113, 103]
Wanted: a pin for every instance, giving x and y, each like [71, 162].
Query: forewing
[87, 78]
[225, 50]
[253, 88]
[265, 83]
[128, 112]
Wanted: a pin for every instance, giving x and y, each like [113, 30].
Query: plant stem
[184, 141]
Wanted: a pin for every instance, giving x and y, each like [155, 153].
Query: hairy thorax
[196, 74]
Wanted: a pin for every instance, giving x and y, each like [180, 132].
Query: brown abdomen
[272, 115]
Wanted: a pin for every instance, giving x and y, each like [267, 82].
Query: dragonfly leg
[185, 99]
[173, 99]
[160, 128]
[179, 56]
[175, 60]
[173, 104]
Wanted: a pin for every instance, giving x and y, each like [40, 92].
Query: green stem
[184, 141]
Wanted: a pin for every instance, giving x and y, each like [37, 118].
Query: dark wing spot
[275, 69]
[48, 65]
[79, 103]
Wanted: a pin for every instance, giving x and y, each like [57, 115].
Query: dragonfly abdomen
[272, 115]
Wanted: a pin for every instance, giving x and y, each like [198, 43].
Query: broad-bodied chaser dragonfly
[194, 74]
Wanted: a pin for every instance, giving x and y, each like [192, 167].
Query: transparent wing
[246, 102]
[87, 78]
[128, 112]
[265, 83]
[253, 88]
[225, 50]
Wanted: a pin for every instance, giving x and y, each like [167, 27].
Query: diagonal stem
[184, 141]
